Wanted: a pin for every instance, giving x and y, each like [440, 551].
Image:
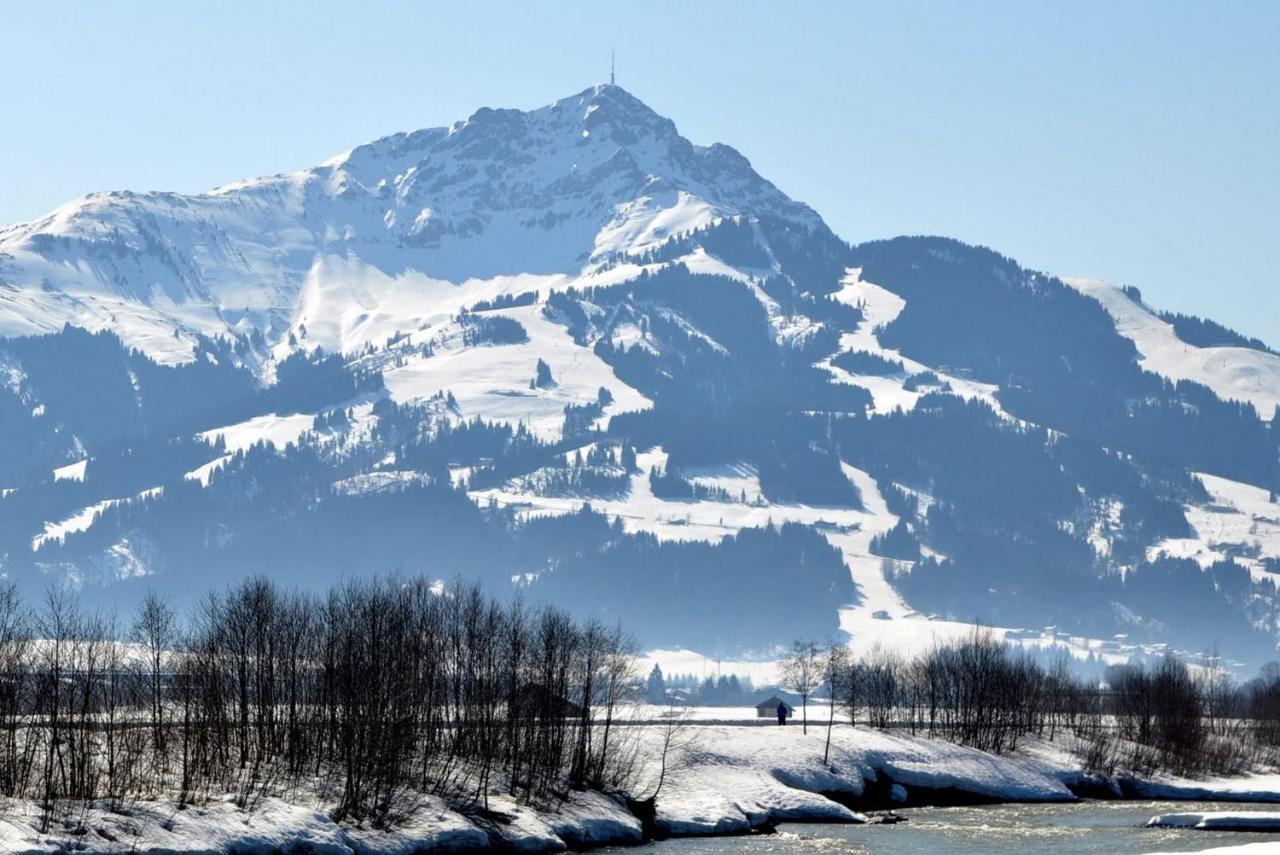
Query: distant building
[769, 708]
[537, 699]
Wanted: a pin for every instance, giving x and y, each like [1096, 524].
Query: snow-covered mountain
[503, 195]
[570, 352]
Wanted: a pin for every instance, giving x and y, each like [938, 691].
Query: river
[1112, 827]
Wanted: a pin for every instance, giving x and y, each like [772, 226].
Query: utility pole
[611, 68]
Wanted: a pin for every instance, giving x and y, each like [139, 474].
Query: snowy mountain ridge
[550, 192]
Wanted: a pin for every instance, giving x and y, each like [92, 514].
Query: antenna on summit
[611, 68]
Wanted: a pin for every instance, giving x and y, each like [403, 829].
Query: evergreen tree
[656, 690]
[542, 378]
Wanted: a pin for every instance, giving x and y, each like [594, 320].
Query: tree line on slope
[1058, 359]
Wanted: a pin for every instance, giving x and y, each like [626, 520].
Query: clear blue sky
[1134, 141]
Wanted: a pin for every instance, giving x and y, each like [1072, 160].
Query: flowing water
[1108, 827]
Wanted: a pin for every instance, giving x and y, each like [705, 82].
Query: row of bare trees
[977, 691]
[981, 692]
[370, 698]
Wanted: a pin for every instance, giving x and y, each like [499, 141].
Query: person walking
[782, 713]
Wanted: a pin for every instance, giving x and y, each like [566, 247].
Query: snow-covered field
[1233, 373]
[494, 383]
[1240, 522]
[725, 773]
[274, 430]
[720, 779]
[729, 778]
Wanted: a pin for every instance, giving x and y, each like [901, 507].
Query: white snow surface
[1258, 787]
[723, 777]
[383, 481]
[493, 383]
[1233, 373]
[204, 472]
[1239, 522]
[221, 828]
[552, 191]
[71, 472]
[732, 778]
[879, 308]
[82, 519]
[1250, 820]
[276, 431]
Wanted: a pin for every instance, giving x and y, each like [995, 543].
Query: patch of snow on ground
[205, 472]
[1240, 521]
[493, 382]
[879, 307]
[218, 827]
[72, 471]
[1245, 788]
[644, 223]
[738, 480]
[276, 431]
[370, 483]
[731, 779]
[882, 617]
[83, 519]
[1106, 522]
[1233, 373]
[709, 521]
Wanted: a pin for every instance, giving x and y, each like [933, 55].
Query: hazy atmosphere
[686, 429]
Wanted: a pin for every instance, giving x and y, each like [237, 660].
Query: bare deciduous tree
[802, 670]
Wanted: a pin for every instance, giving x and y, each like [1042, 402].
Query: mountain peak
[552, 191]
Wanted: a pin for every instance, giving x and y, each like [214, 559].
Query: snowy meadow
[404, 715]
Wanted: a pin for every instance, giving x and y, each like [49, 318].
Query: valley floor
[722, 777]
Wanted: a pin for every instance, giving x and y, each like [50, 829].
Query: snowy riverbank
[720, 779]
[275, 826]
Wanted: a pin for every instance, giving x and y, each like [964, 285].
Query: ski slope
[888, 393]
[495, 382]
[1233, 373]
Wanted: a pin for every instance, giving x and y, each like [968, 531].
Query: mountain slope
[568, 352]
